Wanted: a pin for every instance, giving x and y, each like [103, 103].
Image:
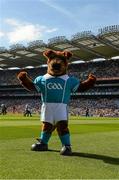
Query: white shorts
[54, 112]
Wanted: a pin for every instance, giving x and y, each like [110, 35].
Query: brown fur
[26, 81]
[57, 58]
[87, 84]
[62, 128]
[47, 127]
[50, 54]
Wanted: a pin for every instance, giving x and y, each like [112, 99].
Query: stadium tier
[84, 46]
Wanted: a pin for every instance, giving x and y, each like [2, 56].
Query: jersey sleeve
[37, 83]
[74, 84]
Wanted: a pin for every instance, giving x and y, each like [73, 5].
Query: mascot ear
[67, 54]
[49, 54]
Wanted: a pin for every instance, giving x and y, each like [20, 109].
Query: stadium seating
[102, 100]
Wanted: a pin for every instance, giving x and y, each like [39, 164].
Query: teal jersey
[56, 89]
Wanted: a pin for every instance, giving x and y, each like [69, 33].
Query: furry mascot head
[57, 62]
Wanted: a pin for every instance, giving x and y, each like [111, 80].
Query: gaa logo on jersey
[54, 86]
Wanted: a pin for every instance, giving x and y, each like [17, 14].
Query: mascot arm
[26, 81]
[87, 84]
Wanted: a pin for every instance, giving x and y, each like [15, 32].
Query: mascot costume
[55, 88]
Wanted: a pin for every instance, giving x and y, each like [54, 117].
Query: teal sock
[45, 137]
[65, 139]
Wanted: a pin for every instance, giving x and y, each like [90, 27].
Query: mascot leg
[63, 132]
[46, 133]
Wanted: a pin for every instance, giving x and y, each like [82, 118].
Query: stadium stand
[102, 100]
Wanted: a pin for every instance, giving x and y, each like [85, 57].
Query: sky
[23, 21]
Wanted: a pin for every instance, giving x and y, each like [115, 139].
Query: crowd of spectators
[24, 92]
[17, 105]
[104, 69]
[104, 89]
[97, 107]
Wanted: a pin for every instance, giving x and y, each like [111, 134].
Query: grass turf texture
[95, 145]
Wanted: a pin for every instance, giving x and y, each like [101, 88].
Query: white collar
[48, 76]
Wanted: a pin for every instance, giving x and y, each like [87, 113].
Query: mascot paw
[22, 75]
[92, 77]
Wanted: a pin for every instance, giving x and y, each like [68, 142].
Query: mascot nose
[56, 66]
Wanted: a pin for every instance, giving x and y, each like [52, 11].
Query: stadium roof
[84, 46]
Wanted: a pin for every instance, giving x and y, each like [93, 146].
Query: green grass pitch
[95, 145]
